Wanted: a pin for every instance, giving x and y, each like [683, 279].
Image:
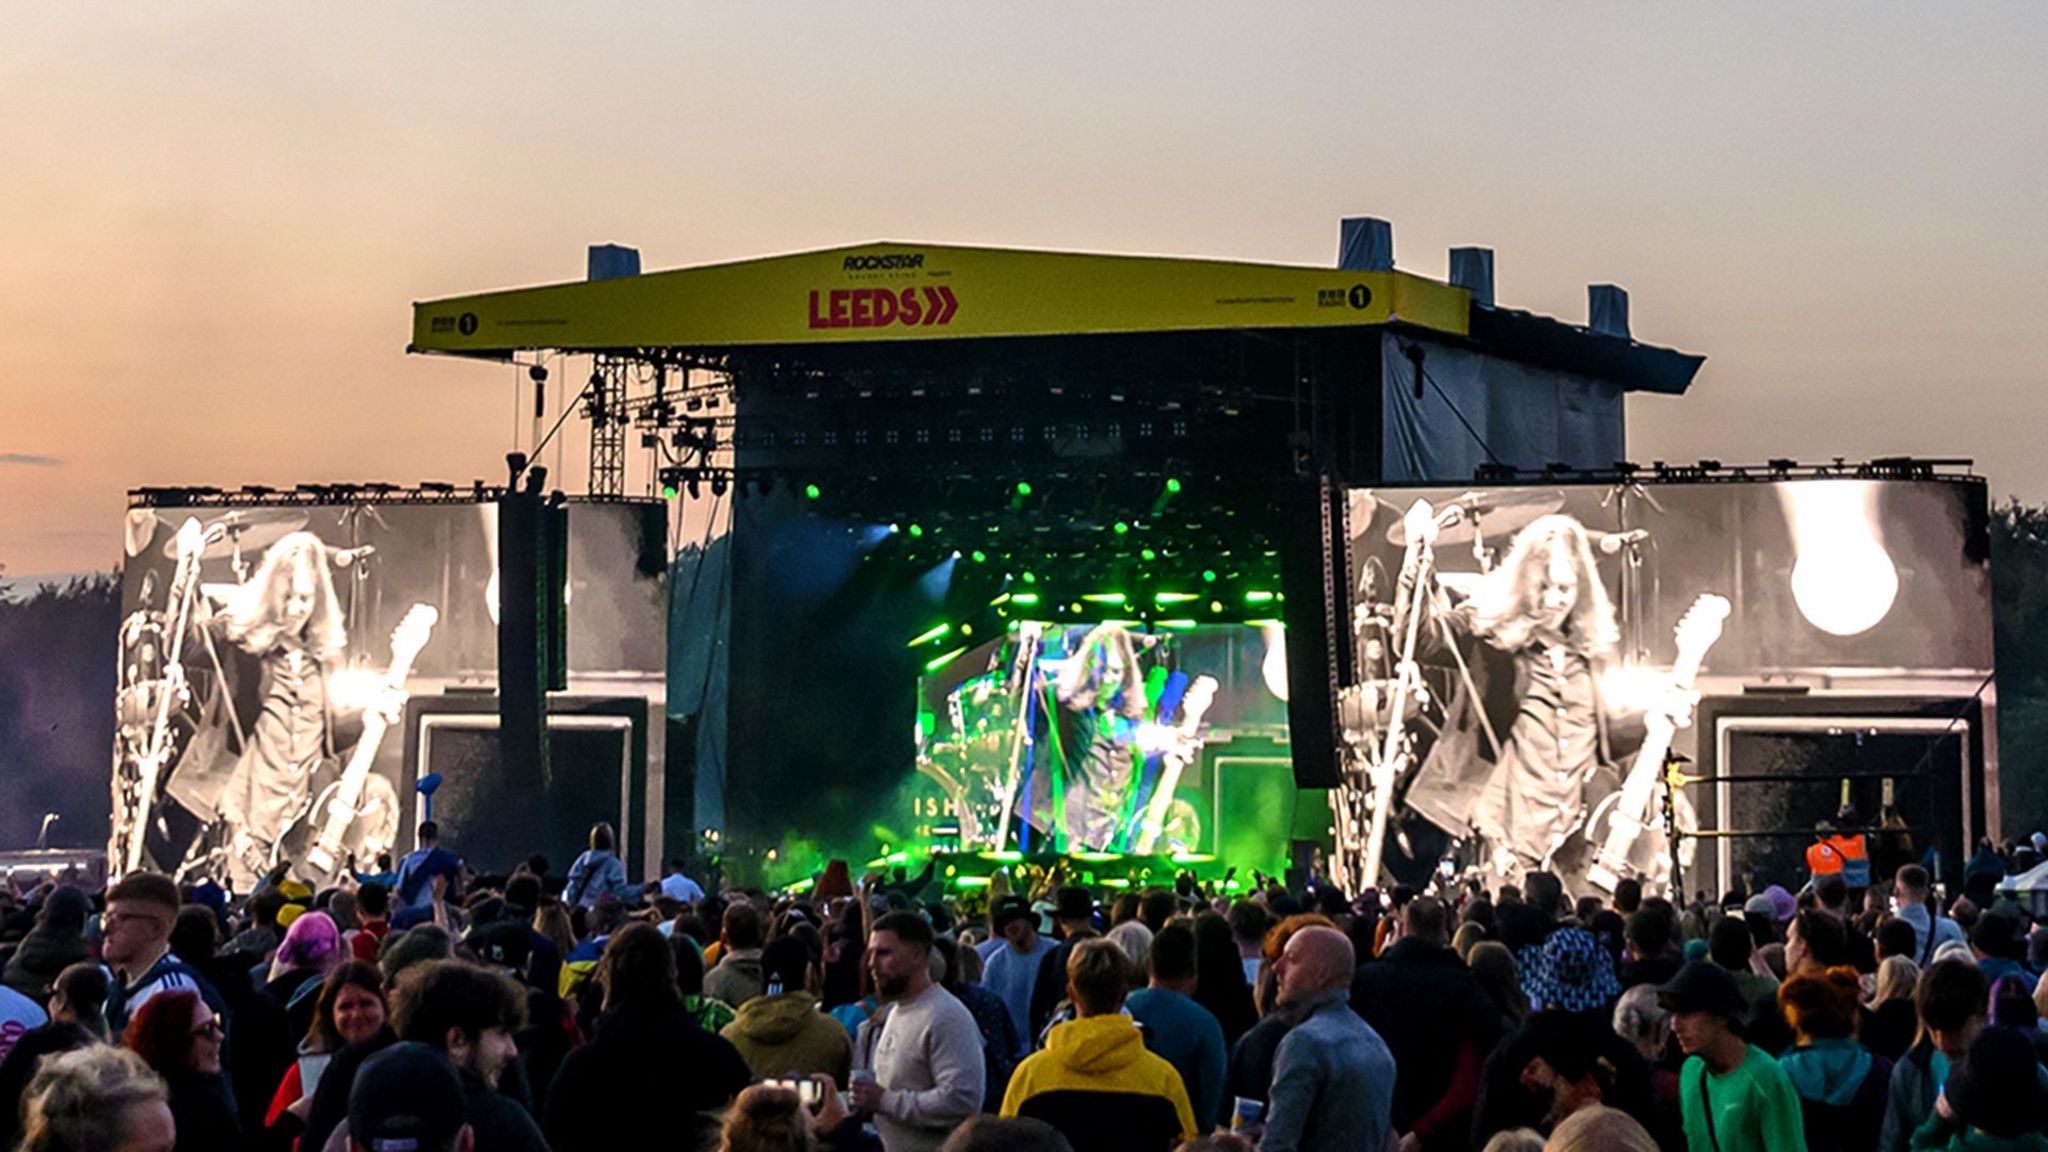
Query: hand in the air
[1420, 523]
[390, 704]
[1677, 705]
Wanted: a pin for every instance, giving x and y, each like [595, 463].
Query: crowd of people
[432, 1009]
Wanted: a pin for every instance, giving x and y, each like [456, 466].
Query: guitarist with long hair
[1531, 732]
[278, 643]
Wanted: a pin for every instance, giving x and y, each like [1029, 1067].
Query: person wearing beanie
[1841, 1084]
[55, 943]
[1732, 1095]
[781, 1033]
[408, 1097]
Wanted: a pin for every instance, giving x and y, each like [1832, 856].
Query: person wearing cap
[1094, 1079]
[1010, 967]
[135, 945]
[1573, 972]
[781, 1033]
[1733, 1097]
[408, 1099]
[1994, 1101]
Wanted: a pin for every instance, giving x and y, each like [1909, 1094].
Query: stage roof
[874, 293]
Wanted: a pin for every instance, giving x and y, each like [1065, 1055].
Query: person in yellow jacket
[1094, 1080]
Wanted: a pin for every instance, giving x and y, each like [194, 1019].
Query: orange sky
[214, 216]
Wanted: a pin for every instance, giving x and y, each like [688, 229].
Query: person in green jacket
[1732, 1096]
[1993, 1101]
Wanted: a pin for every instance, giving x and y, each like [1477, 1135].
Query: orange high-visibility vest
[1840, 853]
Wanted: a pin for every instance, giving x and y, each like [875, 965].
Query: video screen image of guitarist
[1526, 657]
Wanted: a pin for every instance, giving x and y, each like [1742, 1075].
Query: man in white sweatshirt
[923, 1048]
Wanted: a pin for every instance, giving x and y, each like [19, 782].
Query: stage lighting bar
[1715, 471]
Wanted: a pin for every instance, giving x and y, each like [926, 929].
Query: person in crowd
[1251, 1058]
[349, 1009]
[1572, 972]
[135, 945]
[373, 922]
[1733, 1097]
[96, 1099]
[645, 1047]
[736, 977]
[1001, 1047]
[179, 1037]
[1181, 1031]
[1249, 921]
[1930, 929]
[1219, 977]
[1094, 1080]
[1597, 1128]
[1998, 941]
[677, 885]
[1016, 1134]
[1643, 1022]
[1495, 969]
[270, 1025]
[769, 1118]
[469, 1014]
[55, 943]
[1653, 956]
[599, 874]
[1950, 1001]
[1333, 1076]
[1841, 1084]
[710, 1014]
[1437, 1020]
[781, 1033]
[78, 1006]
[1135, 939]
[195, 939]
[1730, 944]
[1011, 959]
[921, 1052]
[1073, 913]
[18, 1015]
[424, 879]
[407, 1097]
[1889, 1026]
[1994, 1100]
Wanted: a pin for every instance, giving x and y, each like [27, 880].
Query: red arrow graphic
[952, 304]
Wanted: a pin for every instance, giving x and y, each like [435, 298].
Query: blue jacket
[1333, 1083]
[594, 876]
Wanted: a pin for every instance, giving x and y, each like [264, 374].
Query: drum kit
[171, 756]
[1390, 708]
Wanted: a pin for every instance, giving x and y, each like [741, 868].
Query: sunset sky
[213, 216]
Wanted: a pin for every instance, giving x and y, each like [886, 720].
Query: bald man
[1333, 1078]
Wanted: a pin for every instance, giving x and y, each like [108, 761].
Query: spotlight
[1843, 580]
[812, 492]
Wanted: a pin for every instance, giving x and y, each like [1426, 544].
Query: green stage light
[1121, 528]
[1175, 625]
[967, 629]
[938, 662]
[1104, 597]
[1215, 605]
[812, 492]
[972, 882]
[1023, 487]
[1148, 555]
[1208, 574]
[1031, 577]
[978, 556]
[1173, 484]
[1097, 857]
[1258, 597]
[930, 635]
[1115, 882]
[668, 491]
[1193, 858]
[1024, 598]
[1172, 597]
[1003, 857]
[916, 531]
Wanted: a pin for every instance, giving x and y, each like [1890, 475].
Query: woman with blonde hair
[771, 1118]
[1892, 1023]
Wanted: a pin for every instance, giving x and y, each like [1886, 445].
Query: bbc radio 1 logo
[1358, 296]
[465, 324]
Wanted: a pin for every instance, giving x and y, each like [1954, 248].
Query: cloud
[30, 460]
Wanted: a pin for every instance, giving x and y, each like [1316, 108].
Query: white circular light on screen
[1847, 588]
